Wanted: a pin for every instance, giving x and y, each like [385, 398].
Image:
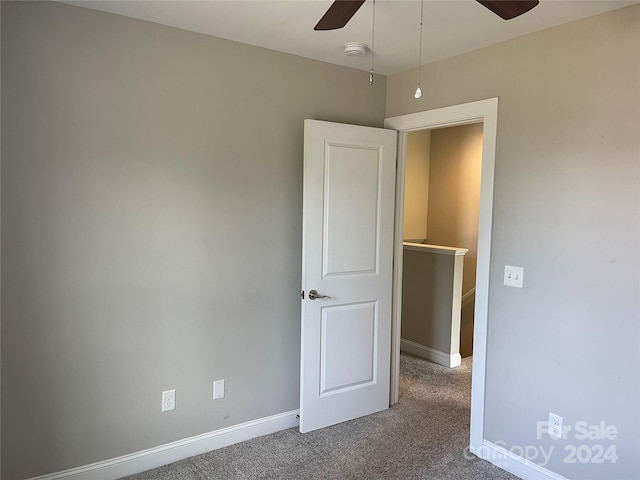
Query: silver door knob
[313, 294]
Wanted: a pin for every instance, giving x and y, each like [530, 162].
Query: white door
[347, 255]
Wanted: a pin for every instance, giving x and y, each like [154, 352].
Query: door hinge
[302, 295]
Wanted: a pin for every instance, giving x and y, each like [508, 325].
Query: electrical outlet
[555, 425]
[218, 389]
[168, 400]
[513, 276]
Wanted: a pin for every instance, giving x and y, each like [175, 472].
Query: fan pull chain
[373, 36]
[418, 93]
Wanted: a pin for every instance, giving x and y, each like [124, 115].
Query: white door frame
[485, 111]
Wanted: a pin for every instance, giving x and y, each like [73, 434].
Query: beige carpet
[423, 437]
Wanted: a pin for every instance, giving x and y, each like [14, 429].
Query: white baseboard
[515, 464]
[172, 452]
[431, 354]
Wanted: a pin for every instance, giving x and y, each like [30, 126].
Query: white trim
[454, 115]
[431, 354]
[424, 247]
[174, 451]
[485, 111]
[396, 301]
[415, 240]
[515, 464]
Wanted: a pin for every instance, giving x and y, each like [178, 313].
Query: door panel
[349, 188]
[347, 329]
[351, 234]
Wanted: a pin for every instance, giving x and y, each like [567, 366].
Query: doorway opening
[485, 112]
[440, 238]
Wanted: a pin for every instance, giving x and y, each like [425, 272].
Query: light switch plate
[513, 276]
[218, 389]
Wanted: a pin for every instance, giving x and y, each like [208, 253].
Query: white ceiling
[451, 27]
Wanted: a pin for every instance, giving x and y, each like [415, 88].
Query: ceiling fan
[341, 11]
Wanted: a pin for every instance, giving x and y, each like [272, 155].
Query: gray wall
[431, 286]
[567, 209]
[151, 229]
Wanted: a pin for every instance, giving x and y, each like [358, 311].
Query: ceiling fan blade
[509, 9]
[339, 13]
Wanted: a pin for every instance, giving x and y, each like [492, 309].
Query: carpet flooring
[422, 437]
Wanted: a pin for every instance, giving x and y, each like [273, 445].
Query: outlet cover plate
[555, 425]
[168, 400]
